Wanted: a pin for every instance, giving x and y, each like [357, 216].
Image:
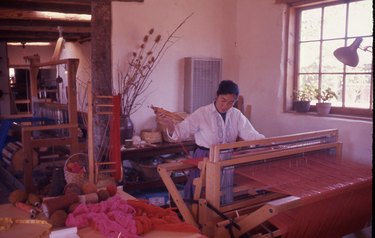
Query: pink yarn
[113, 218]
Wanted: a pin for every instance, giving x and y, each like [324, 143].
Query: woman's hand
[165, 121]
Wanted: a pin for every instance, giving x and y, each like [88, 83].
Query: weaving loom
[287, 186]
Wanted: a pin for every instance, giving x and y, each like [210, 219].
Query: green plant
[325, 95]
[307, 93]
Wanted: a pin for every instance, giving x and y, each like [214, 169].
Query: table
[36, 231]
[138, 154]
[157, 149]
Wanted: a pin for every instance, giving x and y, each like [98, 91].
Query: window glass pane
[333, 81]
[309, 57]
[365, 58]
[334, 21]
[329, 61]
[360, 18]
[310, 24]
[316, 64]
[308, 79]
[308, 83]
[358, 91]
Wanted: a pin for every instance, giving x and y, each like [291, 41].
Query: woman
[215, 123]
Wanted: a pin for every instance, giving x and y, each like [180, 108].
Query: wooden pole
[90, 139]
[101, 64]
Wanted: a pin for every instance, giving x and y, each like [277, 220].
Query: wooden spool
[13, 155]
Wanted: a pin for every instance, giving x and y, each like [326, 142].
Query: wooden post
[101, 63]
[90, 139]
[72, 66]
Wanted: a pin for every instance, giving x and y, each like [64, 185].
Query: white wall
[16, 54]
[210, 32]
[260, 28]
[82, 51]
[246, 34]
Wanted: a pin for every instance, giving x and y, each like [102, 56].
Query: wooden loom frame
[28, 141]
[250, 213]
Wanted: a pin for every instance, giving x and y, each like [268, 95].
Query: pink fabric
[113, 218]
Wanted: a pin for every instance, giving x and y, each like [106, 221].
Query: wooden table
[157, 149]
[36, 231]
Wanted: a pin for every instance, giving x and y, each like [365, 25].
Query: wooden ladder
[110, 105]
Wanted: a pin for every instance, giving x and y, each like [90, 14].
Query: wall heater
[202, 77]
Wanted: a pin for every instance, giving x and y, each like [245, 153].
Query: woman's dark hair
[227, 87]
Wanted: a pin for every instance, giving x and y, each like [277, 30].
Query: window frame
[292, 61]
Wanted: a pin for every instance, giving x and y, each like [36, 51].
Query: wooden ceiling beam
[26, 20]
[39, 23]
[66, 29]
[78, 7]
[42, 36]
[32, 15]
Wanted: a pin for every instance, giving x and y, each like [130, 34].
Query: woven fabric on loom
[341, 189]
[307, 176]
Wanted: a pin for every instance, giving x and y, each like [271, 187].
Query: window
[321, 29]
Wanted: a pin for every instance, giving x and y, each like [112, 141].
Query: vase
[126, 128]
[301, 106]
[323, 108]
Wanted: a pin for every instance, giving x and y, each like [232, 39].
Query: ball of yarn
[58, 218]
[88, 188]
[34, 199]
[73, 207]
[103, 195]
[17, 196]
[72, 188]
[112, 189]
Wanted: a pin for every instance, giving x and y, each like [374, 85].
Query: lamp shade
[348, 55]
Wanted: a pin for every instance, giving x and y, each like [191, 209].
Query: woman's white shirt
[208, 127]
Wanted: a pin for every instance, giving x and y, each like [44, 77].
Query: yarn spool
[58, 203]
[27, 208]
[12, 154]
[89, 198]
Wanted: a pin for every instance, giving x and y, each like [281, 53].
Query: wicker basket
[78, 178]
[151, 136]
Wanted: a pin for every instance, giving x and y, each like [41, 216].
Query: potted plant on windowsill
[323, 107]
[302, 98]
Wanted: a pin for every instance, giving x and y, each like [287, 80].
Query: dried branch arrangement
[134, 83]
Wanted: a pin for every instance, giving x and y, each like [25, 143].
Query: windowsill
[335, 116]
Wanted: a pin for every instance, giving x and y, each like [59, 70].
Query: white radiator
[202, 77]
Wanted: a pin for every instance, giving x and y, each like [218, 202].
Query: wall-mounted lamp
[348, 55]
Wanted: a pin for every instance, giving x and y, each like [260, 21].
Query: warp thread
[56, 203]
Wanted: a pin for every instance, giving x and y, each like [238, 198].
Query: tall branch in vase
[134, 83]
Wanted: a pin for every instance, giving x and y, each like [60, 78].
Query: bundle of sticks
[163, 116]
[174, 116]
